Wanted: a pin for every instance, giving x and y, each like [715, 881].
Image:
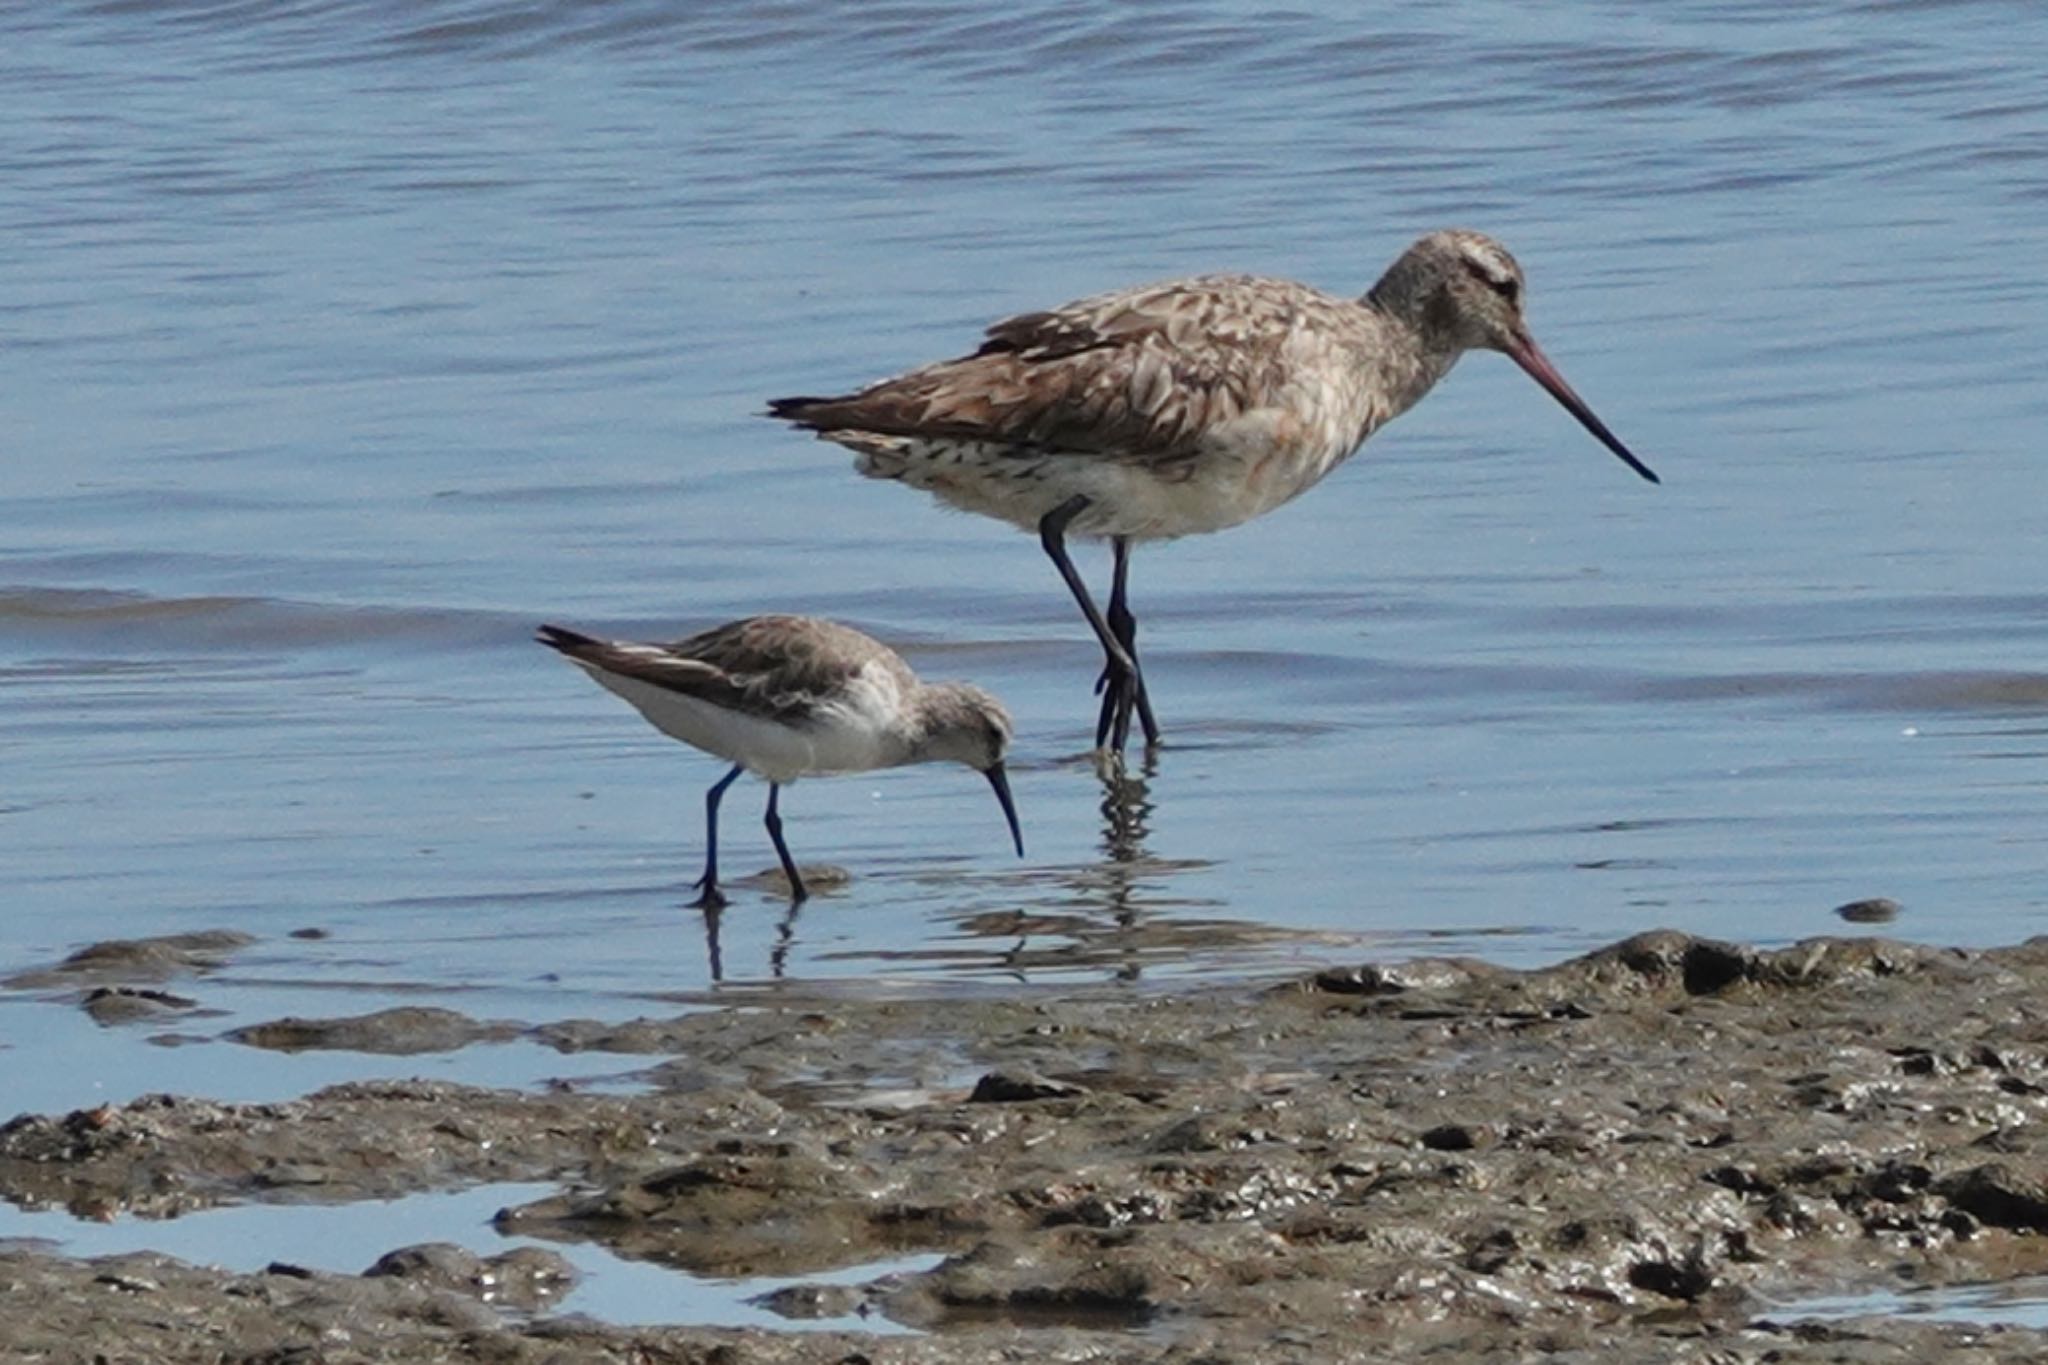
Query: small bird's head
[965, 724]
[1461, 291]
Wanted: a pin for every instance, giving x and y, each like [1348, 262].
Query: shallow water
[351, 1237]
[2012, 1303]
[346, 340]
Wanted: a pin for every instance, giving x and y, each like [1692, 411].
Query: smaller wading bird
[785, 697]
[1182, 407]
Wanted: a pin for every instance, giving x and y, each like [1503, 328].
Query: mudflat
[1646, 1153]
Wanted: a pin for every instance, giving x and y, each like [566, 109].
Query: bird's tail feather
[802, 409]
[570, 642]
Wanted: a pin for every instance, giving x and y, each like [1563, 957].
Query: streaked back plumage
[1139, 374]
[1217, 397]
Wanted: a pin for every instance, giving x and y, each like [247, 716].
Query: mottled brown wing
[784, 665]
[780, 667]
[655, 665]
[1139, 373]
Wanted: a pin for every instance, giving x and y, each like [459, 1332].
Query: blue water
[343, 341]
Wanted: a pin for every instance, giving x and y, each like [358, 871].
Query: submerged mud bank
[1629, 1156]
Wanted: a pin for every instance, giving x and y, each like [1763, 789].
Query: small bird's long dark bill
[1530, 357]
[1000, 780]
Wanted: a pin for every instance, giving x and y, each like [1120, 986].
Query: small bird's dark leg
[710, 897]
[798, 892]
[1120, 669]
[1125, 625]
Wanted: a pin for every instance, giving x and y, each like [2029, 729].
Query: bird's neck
[1412, 293]
[1413, 351]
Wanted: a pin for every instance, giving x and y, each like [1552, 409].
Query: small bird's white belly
[838, 739]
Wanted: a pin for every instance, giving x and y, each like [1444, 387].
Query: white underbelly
[766, 748]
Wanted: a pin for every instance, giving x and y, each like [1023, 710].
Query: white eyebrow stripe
[1496, 270]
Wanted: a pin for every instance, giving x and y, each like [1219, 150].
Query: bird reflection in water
[778, 956]
[1111, 914]
[1126, 805]
[1106, 912]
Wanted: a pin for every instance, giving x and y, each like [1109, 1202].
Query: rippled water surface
[345, 340]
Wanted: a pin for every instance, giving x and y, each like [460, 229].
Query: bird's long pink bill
[1000, 780]
[1530, 357]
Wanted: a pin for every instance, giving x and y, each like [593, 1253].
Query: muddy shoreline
[1629, 1156]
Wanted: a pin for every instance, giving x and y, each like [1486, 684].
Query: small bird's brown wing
[656, 665]
[782, 666]
[1140, 373]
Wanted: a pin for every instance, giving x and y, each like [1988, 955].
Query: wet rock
[1396, 978]
[81, 1135]
[133, 1004]
[1661, 964]
[999, 1087]
[527, 1278]
[60, 1311]
[1201, 1133]
[1450, 1137]
[1493, 1252]
[64, 1310]
[1706, 967]
[1687, 1276]
[1601, 1161]
[175, 1039]
[1876, 910]
[814, 1301]
[1001, 1281]
[693, 1033]
[403, 1031]
[140, 959]
[162, 1155]
[775, 882]
[753, 1208]
[2001, 1195]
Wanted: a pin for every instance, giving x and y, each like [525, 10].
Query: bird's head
[965, 724]
[1466, 289]
[1461, 291]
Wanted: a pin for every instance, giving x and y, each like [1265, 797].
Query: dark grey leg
[1119, 669]
[798, 892]
[710, 897]
[1115, 721]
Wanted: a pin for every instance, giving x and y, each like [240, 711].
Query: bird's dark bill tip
[1525, 352]
[1000, 780]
